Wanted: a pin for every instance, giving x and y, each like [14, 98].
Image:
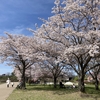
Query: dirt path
[5, 92]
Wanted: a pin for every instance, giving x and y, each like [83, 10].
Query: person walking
[12, 84]
[8, 82]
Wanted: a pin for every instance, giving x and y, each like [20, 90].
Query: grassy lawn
[38, 92]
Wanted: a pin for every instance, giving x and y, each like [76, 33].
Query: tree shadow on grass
[95, 97]
[59, 91]
[91, 93]
[91, 90]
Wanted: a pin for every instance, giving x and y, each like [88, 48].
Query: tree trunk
[81, 84]
[55, 82]
[23, 79]
[96, 84]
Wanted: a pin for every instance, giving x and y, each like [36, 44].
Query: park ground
[40, 92]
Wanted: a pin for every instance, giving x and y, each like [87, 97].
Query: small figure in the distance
[12, 84]
[8, 82]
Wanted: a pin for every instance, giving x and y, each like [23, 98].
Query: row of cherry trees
[29, 58]
[75, 30]
[69, 38]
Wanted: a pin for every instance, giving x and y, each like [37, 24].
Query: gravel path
[5, 92]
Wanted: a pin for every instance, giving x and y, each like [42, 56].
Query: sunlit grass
[38, 92]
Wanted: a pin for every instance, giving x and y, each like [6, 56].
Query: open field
[36, 92]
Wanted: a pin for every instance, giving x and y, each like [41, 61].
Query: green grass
[38, 92]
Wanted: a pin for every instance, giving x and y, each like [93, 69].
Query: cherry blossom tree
[13, 51]
[34, 72]
[49, 57]
[53, 69]
[74, 27]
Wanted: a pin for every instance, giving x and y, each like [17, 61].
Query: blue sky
[18, 15]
